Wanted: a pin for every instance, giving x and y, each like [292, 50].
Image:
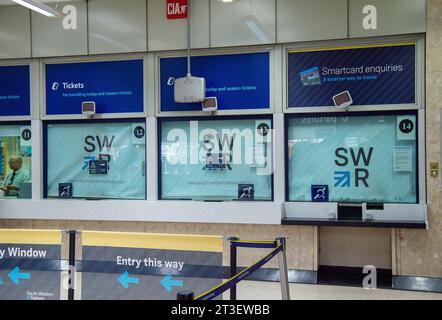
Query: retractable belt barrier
[279, 246]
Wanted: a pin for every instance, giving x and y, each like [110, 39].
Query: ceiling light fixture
[40, 8]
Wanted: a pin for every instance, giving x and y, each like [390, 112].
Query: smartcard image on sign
[310, 77]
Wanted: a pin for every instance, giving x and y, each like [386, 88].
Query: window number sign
[406, 126]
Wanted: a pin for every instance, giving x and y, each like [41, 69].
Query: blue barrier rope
[218, 290]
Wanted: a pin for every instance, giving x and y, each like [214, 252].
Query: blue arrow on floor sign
[168, 283]
[15, 275]
[125, 280]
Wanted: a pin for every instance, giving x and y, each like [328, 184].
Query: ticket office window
[95, 160]
[15, 161]
[353, 158]
[216, 159]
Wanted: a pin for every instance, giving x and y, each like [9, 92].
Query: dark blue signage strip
[15, 91]
[238, 81]
[373, 75]
[195, 271]
[31, 264]
[115, 87]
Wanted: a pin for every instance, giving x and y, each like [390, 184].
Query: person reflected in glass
[14, 178]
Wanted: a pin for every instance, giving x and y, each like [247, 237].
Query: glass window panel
[362, 159]
[97, 160]
[15, 161]
[220, 160]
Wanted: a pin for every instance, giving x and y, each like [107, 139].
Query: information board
[382, 74]
[114, 86]
[238, 81]
[138, 266]
[30, 264]
[15, 91]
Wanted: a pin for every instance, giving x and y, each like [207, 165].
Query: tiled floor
[250, 290]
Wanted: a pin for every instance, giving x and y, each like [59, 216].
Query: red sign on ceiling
[176, 9]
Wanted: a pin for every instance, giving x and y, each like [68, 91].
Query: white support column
[277, 83]
[150, 85]
[36, 131]
[279, 163]
[37, 159]
[152, 159]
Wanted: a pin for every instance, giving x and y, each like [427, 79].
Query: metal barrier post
[233, 265]
[71, 281]
[185, 296]
[283, 271]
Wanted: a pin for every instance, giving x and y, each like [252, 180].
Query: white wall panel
[117, 26]
[50, 38]
[15, 32]
[307, 20]
[244, 22]
[392, 17]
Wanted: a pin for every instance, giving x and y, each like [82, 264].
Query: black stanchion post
[71, 284]
[185, 296]
[233, 265]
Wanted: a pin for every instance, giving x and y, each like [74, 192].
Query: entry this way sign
[126, 266]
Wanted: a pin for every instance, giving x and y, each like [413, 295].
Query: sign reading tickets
[138, 266]
[30, 266]
[238, 81]
[14, 91]
[372, 74]
[115, 87]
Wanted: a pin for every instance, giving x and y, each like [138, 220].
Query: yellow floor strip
[44, 237]
[153, 241]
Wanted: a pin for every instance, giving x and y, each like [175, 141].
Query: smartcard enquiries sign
[115, 86]
[373, 74]
[14, 91]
